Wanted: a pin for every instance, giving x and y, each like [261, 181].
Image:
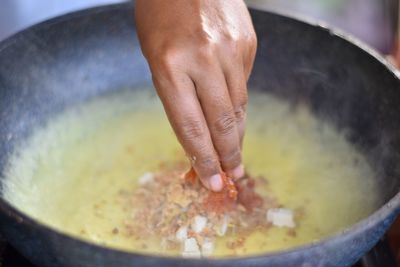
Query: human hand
[201, 53]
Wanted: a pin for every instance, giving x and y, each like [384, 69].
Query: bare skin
[201, 53]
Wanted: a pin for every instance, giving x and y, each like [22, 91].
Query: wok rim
[383, 212]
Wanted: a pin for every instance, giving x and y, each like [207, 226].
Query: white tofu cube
[181, 234]
[281, 217]
[198, 224]
[207, 248]
[191, 248]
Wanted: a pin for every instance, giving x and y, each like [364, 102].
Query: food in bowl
[110, 171]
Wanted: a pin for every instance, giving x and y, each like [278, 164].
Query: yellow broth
[68, 175]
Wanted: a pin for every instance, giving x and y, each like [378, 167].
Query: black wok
[70, 59]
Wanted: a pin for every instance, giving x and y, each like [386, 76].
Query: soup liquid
[68, 175]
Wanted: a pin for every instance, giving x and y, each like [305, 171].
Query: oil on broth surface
[68, 174]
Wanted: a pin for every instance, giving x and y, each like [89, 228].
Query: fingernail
[238, 172]
[215, 182]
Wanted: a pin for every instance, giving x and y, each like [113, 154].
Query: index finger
[184, 112]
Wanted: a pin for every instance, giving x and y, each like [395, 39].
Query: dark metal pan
[70, 59]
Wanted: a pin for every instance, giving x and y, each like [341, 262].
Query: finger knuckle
[250, 41]
[225, 124]
[241, 95]
[231, 48]
[240, 112]
[191, 130]
[230, 38]
[231, 159]
[205, 53]
[207, 162]
[165, 66]
[167, 60]
[240, 104]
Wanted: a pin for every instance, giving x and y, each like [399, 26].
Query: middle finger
[217, 107]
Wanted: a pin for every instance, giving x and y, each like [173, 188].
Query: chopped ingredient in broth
[188, 218]
[111, 172]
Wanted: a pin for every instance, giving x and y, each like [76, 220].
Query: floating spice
[183, 214]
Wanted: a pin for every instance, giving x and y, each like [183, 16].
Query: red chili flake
[225, 200]
[220, 202]
[190, 176]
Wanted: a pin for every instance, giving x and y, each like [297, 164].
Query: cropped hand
[201, 53]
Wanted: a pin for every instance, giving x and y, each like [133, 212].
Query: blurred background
[375, 22]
